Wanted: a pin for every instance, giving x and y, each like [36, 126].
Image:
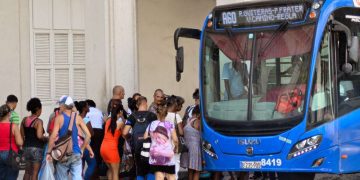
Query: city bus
[279, 86]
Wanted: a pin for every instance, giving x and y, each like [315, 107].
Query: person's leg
[177, 165]
[190, 174]
[109, 171]
[140, 178]
[36, 168]
[61, 171]
[170, 176]
[115, 170]
[159, 175]
[28, 171]
[196, 175]
[76, 168]
[91, 165]
[150, 176]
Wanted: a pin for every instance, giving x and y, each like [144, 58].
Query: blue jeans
[91, 164]
[7, 172]
[74, 165]
[148, 177]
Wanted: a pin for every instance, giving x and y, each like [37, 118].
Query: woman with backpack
[164, 144]
[138, 121]
[32, 130]
[109, 146]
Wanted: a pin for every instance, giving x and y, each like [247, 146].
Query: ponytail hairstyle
[116, 107]
[162, 109]
[80, 106]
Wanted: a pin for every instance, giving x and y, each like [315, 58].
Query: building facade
[85, 47]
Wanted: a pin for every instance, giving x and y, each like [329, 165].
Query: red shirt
[4, 138]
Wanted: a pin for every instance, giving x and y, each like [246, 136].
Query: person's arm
[53, 136]
[227, 89]
[91, 152]
[85, 130]
[197, 124]
[146, 134]
[40, 130]
[125, 132]
[16, 132]
[175, 140]
[128, 125]
[88, 125]
[22, 131]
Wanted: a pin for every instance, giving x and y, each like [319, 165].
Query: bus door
[348, 88]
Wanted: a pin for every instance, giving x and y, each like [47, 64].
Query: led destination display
[260, 16]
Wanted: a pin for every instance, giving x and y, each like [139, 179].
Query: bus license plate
[251, 164]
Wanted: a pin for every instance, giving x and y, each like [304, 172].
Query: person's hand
[49, 158]
[91, 154]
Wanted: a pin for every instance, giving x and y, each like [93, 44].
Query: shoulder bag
[13, 159]
[64, 146]
[181, 145]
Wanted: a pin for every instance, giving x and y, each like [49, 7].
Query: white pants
[177, 165]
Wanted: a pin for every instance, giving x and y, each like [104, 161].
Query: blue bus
[279, 86]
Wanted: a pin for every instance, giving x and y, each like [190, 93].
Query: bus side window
[348, 84]
[321, 104]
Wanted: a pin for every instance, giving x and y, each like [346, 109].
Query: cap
[67, 100]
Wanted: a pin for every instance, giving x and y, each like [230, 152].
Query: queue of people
[152, 142]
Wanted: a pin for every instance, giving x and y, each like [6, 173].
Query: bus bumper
[308, 162]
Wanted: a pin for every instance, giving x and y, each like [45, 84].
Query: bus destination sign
[260, 16]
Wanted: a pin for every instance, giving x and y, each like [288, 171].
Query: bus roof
[259, 3]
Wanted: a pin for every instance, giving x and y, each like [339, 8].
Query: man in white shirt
[96, 119]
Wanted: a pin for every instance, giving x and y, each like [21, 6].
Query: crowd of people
[140, 142]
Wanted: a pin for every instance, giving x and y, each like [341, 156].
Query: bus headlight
[209, 150]
[305, 146]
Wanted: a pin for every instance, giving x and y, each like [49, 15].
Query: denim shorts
[33, 154]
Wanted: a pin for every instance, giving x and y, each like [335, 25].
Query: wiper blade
[234, 44]
[279, 31]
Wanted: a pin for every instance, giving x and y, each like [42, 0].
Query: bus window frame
[333, 58]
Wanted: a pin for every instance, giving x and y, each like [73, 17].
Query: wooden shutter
[61, 48]
[42, 48]
[79, 48]
[61, 82]
[79, 80]
[43, 84]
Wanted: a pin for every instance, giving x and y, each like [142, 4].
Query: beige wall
[156, 23]
[95, 51]
[14, 50]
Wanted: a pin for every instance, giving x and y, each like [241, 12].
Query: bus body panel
[349, 141]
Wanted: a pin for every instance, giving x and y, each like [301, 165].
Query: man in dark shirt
[138, 122]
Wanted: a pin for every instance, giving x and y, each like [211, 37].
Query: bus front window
[279, 74]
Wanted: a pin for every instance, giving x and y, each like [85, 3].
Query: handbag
[13, 159]
[145, 149]
[63, 148]
[181, 145]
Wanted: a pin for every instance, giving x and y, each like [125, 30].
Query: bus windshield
[277, 73]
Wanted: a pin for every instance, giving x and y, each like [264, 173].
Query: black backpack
[138, 130]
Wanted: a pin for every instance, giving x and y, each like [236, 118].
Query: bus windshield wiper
[240, 55]
[279, 31]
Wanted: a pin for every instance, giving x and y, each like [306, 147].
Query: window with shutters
[59, 64]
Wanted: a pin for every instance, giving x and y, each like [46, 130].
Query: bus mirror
[179, 63]
[354, 49]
